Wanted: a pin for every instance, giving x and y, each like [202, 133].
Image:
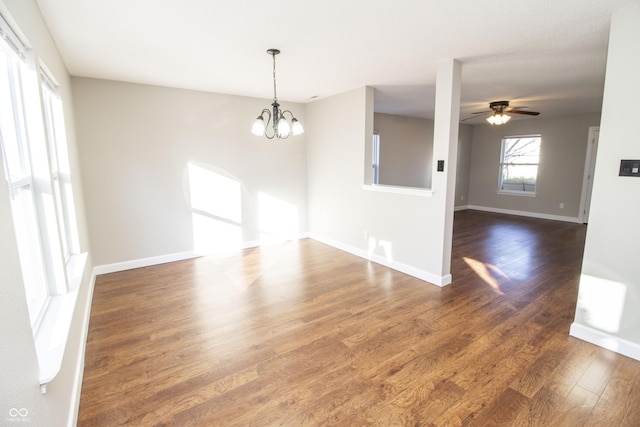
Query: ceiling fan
[499, 110]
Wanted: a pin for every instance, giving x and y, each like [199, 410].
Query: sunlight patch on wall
[602, 302]
[215, 194]
[387, 248]
[216, 204]
[278, 219]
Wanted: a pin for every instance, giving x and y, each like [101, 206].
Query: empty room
[342, 213]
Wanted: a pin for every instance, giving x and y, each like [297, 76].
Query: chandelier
[281, 127]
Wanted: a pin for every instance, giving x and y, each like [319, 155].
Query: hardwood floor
[303, 334]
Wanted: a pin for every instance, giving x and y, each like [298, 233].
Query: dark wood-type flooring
[302, 334]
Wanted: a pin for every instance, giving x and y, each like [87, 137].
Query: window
[17, 165]
[519, 158]
[375, 161]
[34, 155]
[59, 166]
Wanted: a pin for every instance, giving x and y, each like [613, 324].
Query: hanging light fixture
[499, 117]
[281, 127]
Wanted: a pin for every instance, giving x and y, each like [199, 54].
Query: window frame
[19, 177]
[375, 158]
[33, 148]
[53, 117]
[502, 164]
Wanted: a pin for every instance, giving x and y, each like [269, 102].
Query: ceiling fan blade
[528, 113]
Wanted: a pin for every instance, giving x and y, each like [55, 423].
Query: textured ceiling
[547, 55]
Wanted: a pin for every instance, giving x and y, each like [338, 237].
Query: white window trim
[53, 323]
[393, 189]
[53, 332]
[500, 165]
[516, 193]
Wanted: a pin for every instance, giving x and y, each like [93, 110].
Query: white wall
[406, 150]
[607, 311]
[137, 142]
[401, 228]
[560, 173]
[19, 387]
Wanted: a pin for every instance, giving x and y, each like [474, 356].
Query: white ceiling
[548, 55]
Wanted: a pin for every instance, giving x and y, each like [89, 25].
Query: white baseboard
[163, 259]
[144, 262]
[527, 214]
[605, 340]
[461, 208]
[395, 265]
[404, 268]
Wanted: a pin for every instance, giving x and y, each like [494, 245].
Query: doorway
[589, 169]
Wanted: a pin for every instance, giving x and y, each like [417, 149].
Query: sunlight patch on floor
[486, 272]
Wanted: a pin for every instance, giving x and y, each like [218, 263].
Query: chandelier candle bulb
[296, 127]
[258, 127]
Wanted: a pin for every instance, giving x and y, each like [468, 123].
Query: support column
[445, 154]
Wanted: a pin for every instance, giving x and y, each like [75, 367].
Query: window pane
[519, 177]
[59, 165]
[30, 250]
[519, 160]
[14, 155]
[16, 159]
[521, 150]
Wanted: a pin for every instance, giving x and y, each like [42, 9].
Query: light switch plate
[629, 168]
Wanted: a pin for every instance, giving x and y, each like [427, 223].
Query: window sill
[52, 334]
[517, 193]
[411, 191]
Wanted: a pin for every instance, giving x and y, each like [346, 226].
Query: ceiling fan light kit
[281, 127]
[498, 119]
[499, 110]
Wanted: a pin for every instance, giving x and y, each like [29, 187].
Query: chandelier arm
[266, 125]
[290, 113]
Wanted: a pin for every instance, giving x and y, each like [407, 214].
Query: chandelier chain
[275, 96]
